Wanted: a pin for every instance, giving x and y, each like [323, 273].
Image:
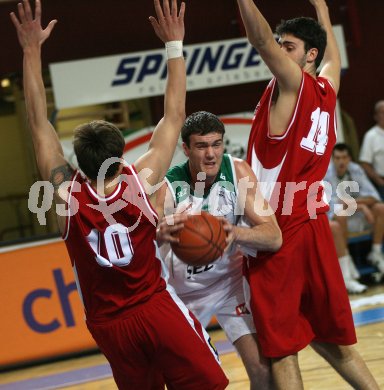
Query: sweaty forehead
[210, 137]
[289, 38]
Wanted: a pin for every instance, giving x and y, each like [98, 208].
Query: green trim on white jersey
[223, 188]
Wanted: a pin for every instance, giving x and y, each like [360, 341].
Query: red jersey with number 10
[291, 166]
[111, 243]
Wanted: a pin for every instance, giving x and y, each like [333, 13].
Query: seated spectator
[348, 268]
[364, 197]
[372, 150]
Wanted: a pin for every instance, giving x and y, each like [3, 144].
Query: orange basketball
[201, 241]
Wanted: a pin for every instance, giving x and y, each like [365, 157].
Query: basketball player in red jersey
[140, 325]
[298, 295]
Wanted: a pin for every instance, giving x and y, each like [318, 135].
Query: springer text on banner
[143, 74]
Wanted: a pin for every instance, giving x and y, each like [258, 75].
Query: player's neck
[107, 186]
[207, 183]
[310, 69]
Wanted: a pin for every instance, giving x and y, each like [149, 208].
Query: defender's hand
[28, 27]
[169, 25]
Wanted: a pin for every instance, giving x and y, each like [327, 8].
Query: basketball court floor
[93, 373]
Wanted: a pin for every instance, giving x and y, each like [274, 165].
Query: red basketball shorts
[159, 341]
[298, 294]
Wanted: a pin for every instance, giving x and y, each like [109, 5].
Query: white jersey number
[317, 138]
[117, 244]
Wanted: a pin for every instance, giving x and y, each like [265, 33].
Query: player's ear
[312, 55]
[121, 166]
[186, 149]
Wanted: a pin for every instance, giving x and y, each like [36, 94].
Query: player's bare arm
[264, 233]
[31, 36]
[261, 37]
[286, 71]
[331, 62]
[49, 154]
[60, 175]
[168, 26]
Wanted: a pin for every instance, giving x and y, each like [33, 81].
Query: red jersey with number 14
[291, 166]
[111, 243]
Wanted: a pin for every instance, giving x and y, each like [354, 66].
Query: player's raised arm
[31, 36]
[331, 62]
[261, 37]
[169, 221]
[264, 233]
[169, 27]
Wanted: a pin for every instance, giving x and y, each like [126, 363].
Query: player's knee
[259, 371]
[260, 377]
[334, 352]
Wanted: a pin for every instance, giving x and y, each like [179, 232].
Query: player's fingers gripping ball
[202, 240]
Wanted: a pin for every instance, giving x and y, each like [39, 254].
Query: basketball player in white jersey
[215, 182]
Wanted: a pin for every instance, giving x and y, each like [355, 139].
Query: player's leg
[330, 314]
[286, 373]
[276, 285]
[237, 323]
[348, 363]
[202, 304]
[325, 301]
[186, 357]
[131, 358]
[257, 367]
[306, 294]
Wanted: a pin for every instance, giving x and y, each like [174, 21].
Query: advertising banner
[42, 315]
[143, 74]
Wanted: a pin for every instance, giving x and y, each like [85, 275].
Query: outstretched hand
[169, 25]
[28, 27]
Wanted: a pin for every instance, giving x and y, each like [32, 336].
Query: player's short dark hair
[309, 31]
[341, 147]
[94, 142]
[201, 123]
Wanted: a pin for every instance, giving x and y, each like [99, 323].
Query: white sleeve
[365, 185]
[366, 152]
